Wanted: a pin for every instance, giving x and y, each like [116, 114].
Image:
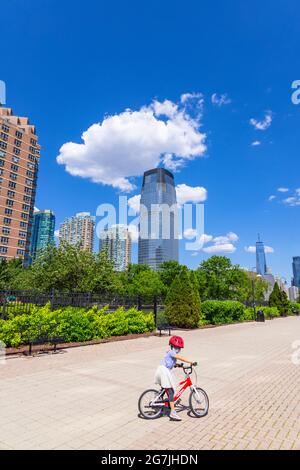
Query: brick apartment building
[19, 161]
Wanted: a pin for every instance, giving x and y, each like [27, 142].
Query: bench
[43, 340]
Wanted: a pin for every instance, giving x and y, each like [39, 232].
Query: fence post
[155, 310]
[3, 313]
[52, 299]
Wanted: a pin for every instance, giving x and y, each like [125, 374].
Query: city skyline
[241, 152]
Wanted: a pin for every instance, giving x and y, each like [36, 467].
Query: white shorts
[164, 377]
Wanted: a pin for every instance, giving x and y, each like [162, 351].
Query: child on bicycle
[164, 376]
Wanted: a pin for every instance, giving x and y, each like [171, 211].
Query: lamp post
[253, 291]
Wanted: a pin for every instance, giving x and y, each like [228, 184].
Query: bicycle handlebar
[182, 366]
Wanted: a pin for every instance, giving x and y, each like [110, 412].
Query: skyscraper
[78, 229]
[158, 234]
[116, 242]
[261, 265]
[19, 161]
[42, 231]
[296, 271]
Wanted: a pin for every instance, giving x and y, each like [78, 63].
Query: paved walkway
[86, 398]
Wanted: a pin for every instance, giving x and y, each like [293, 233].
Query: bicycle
[152, 402]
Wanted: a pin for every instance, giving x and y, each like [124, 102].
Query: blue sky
[69, 65]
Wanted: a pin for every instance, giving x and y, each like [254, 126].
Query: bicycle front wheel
[151, 404]
[199, 402]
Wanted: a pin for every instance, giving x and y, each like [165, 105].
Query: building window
[30, 174]
[11, 184]
[5, 230]
[15, 159]
[5, 128]
[21, 242]
[9, 202]
[22, 234]
[25, 207]
[18, 143]
[20, 252]
[13, 176]
[14, 167]
[24, 216]
[8, 211]
[28, 190]
[23, 224]
[3, 136]
[26, 198]
[11, 193]
[19, 134]
[33, 141]
[17, 151]
[3, 145]
[2, 154]
[6, 221]
[4, 240]
[3, 249]
[29, 182]
[2, 162]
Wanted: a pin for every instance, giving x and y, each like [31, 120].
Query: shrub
[294, 308]
[269, 312]
[183, 302]
[73, 324]
[218, 312]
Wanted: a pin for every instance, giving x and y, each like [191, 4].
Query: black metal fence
[19, 302]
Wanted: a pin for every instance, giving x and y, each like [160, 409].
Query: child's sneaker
[174, 416]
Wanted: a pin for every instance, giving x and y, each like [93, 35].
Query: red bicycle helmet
[176, 341]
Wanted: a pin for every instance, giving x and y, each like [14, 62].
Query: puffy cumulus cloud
[124, 145]
[184, 194]
[187, 193]
[220, 100]
[292, 201]
[264, 124]
[230, 237]
[271, 198]
[256, 143]
[252, 249]
[220, 248]
[283, 190]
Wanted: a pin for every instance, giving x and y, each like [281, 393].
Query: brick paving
[86, 397]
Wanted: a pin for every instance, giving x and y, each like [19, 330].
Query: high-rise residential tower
[19, 161]
[158, 231]
[79, 229]
[261, 264]
[116, 242]
[42, 231]
[296, 271]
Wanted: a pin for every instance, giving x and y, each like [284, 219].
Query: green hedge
[73, 324]
[218, 312]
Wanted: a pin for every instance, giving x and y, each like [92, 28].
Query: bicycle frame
[184, 385]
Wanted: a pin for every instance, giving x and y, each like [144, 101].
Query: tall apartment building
[42, 231]
[19, 161]
[158, 234]
[79, 229]
[116, 242]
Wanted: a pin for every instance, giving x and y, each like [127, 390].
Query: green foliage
[219, 279]
[73, 324]
[183, 302]
[168, 271]
[279, 299]
[141, 280]
[218, 312]
[269, 312]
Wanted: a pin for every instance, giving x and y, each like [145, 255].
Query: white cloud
[256, 143]
[230, 237]
[292, 201]
[220, 248]
[283, 190]
[134, 203]
[36, 209]
[298, 191]
[187, 193]
[124, 145]
[264, 124]
[220, 100]
[252, 249]
[190, 233]
[271, 198]
[134, 232]
[56, 233]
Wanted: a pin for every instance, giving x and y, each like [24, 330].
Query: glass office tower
[158, 231]
[116, 242]
[296, 271]
[261, 264]
[42, 231]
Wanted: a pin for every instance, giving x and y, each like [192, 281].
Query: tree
[279, 299]
[168, 271]
[183, 302]
[142, 281]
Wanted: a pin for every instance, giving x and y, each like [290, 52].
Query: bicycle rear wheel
[151, 404]
[199, 402]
